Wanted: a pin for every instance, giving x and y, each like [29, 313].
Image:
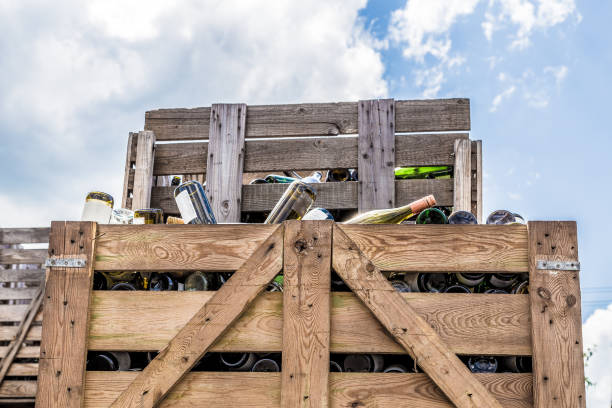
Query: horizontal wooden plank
[469, 324]
[313, 153]
[21, 275]
[263, 197]
[26, 402]
[177, 247]
[443, 248]
[17, 293]
[7, 333]
[23, 369]
[24, 352]
[15, 388]
[310, 119]
[237, 390]
[22, 256]
[14, 313]
[24, 235]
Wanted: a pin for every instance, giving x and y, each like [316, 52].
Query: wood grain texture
[24, 352]
[23, 369]
[262, 390]
[63, 346]
[17, 293]
[462, 176]
[376, 155]
[8, 333]
[177, 247]
[14, 388]
[312, 119]
[14, 313]
[210, 322]
[22, 275]
[475, 324]
[22, 256]
[263, 197]
[306, 314]
[558, 367]
[225, 161]
[24, 235]
[143, 170]
[410, 330]
[128, 175]
[477, 180]
[443, 248]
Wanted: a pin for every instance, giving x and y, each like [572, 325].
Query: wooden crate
[307, 321]
[373, 136]
[21, 275]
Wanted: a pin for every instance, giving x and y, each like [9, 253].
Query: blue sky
[76, 77]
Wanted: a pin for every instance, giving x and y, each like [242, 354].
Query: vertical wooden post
[128, 185]
[462, 198]
[556, 331]
[306, 314]
[477, 211]
[376, 160]
[63, 346]
[225, 160]
[143, 173]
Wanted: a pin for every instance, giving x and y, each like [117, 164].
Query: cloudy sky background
[76, 77]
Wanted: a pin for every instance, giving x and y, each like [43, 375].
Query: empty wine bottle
[161, 281]
[393, 215]
[457, 288]
[496, 291]
[193, 204]
[521, 288]
[482, 364]
[363, 363]
[429, 172]
[101, 281]
[432, 282]
[98, 207]
[238, 361]
[516, 364]
[502, 280]
[149, 216]
[315, 177]
[108, 361]
[336, 175]
[275, 178]
[293, 204]
[174, 220]
[258, 181]
[354, 174]
[462, 217]
[334, 367]
[431, 216]
[266, 365]
[199, 281]
[395, 368]
[124, 286]
[470, 279]
[318, 214]
[176, 181]
[400, 285]
[122, 216]
[504, 217]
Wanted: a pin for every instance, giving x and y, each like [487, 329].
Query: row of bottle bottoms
[408, 282]
[272, 362]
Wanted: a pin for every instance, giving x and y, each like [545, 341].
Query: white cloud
[499, 98]
[597, 331]
[559, 73]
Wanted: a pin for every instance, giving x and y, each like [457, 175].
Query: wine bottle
[259, 181]
[502, 280]
[193, 203]
[462, 217]
[428, 172]
[521, 288]
[161, 281]
[337, 175]
[276, 179]
[124, 286]
[393, 215]
[363, 363]
[431, 216]
[108, 361]
[101, 281]
[199, 281]
[318, 214]
[482, 364]
[395, 368]
[149, 216]
[470, 279]
[176, 181]
[400, 285]
[504, 217]
[516, 364]
[496, 291]
[354, 174]
[238, 361]
[266, 365]
[293, 204]
[334, 367]
[457, 288]
[174, 220]
[432, 282]
[98, 207]
[122, 216]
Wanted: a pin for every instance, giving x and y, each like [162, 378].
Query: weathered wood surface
[249, 390]
[308, 153]
[477, 179]
[14, 388]
[24, 235]
[410, 330]
[24, 352]
[128, 176]
[22, 256]
[306, 314]
[210, 322]
[9, 332]
[312, 119]
[443, 248]
[22, 275]
[15, 313]
[558, 367]
[23, 369]
[17, 293]
[376, 155]
[143, 171]
[177, 247]
[225, 161]
[263, 197]
[63, 346]
[475, 324]
[463, 176]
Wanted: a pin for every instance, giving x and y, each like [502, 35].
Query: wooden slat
[310, 119]
[225, 161]
[263, 197]
[210, 322]
[308, 153]
[376, 156]
[177, 247]
[65, 313]
[128, 175]
[14, 313]
[443, 248]
[21, 275]
[17, 293]
[410, 330]
[477, 182]
[143, 171]
[306, 317]
[24, 235]
[8, 332]
[23, 369]
[262, 390]
[14, 388]
[558, 368]
[463, 176]
[475, 324]
[22, 256]
[24, 352]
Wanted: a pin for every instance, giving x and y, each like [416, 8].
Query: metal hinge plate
[558, 265]
[65, 262]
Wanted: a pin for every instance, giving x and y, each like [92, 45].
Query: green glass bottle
[431, 216]
[148, 216]
[429, 172]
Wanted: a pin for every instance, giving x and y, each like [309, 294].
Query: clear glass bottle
[393, 215]
[122, 216]
[462, 217]
[148, 216]
[199, 281]
[238, 361]
[504, 217]
[193, 203]
[293, 204]
[482, 364]
[266, 365]
[98, 207]
[318, 214]
[161, 281]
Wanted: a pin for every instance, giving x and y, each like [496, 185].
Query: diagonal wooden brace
[189, 345]
[406, 326]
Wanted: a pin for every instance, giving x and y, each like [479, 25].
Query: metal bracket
[65, 262]
[558, 265]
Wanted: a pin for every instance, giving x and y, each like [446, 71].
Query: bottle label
[185, 207]
[96, 210]
[138, 220]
